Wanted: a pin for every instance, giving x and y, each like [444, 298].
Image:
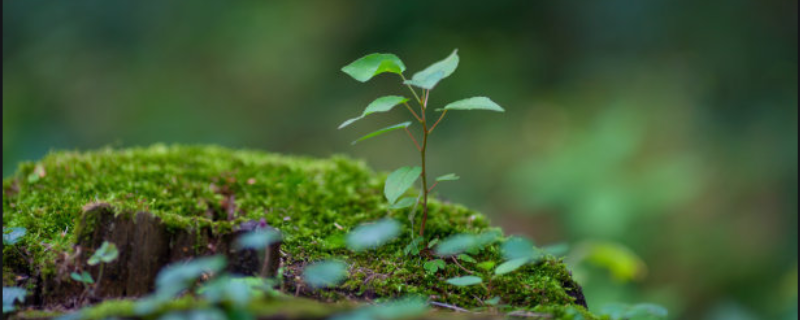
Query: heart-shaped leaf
[374, 64]
[428, 78]
[399, 182]
[474, 103]
[373, 235]
[465, 281]
[384, 130]
[382, 104]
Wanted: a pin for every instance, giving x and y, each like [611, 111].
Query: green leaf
[258, 239]
[466, 258]
[374, 64]
[12, 235]
[448, 177]
[556, 250]
[106, 253]
[384, 130]
[403, 203]
[412, 247]
[11, 295]
[433, 243]
[428, 78]
[178, 276]
[325, 274]
[486, 265]
[404, 308]
[465, 281]
[434, 265]
[493, 301]
[456, 244]
[373, 235]
[382, 104]
[474, 103]
[518, 247]
[510, 266]
[647, 309]
[84, 277]
[399, 182]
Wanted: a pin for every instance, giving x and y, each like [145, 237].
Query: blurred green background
[659, 131]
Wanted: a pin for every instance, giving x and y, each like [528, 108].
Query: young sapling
[426, 80]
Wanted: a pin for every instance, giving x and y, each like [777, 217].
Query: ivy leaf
[258, 239]
[474, 103]
[384, 130]
[399, 181]
[403, 203]
[106, 253]
[465, 281]
[382, 104]
[11, 295]
[373, 235]
[325, 274]
[428, 78]
[448, 177]
[374, 64]
[12, 235]
[510, 266]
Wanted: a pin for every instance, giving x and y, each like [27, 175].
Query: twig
[460, 266]
[434, 185]
[412, 139]
[437, 121]
[448, 306]
[412, 112]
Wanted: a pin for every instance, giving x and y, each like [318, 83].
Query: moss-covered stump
[167, 203]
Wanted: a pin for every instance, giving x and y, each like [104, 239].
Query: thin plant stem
[437, 121]
[99, 278]
[412, 112]
[433, 186]
[411, 88]
[412, 139]
[424, 172]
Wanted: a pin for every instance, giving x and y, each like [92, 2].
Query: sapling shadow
[426, 80]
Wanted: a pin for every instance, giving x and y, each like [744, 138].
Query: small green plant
[403, 178]
[12, 295]
[106, 253]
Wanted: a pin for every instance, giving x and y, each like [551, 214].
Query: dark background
[658, 138]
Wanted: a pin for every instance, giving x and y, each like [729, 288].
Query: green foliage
[83, 277]
[364, 69]
[465, 281]
[325, 274]
[106, 253]
[510, 265]
[382, 104]
[180, 276]
[372, 65]
[556, 250]
[258, 239]
[466, 258]
[642, 311]
[448, 177]
[475, 103]
[399, 182]
[391, 128]
[12, 295]
[428, 78]
[373, 235]
[403, 203]
[519, 247]
[433, 265]
[464, 242]
[12, 235]
[396, 309]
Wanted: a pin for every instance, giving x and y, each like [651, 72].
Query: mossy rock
[199, 195]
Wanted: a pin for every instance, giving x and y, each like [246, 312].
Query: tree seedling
[426, 80]
[106, 253]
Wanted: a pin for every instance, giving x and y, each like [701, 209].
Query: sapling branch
[412, 139]
[433, 186]
[414, 92]
[412, 112]
[437, 121]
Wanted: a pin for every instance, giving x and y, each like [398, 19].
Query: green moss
[311, 200]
